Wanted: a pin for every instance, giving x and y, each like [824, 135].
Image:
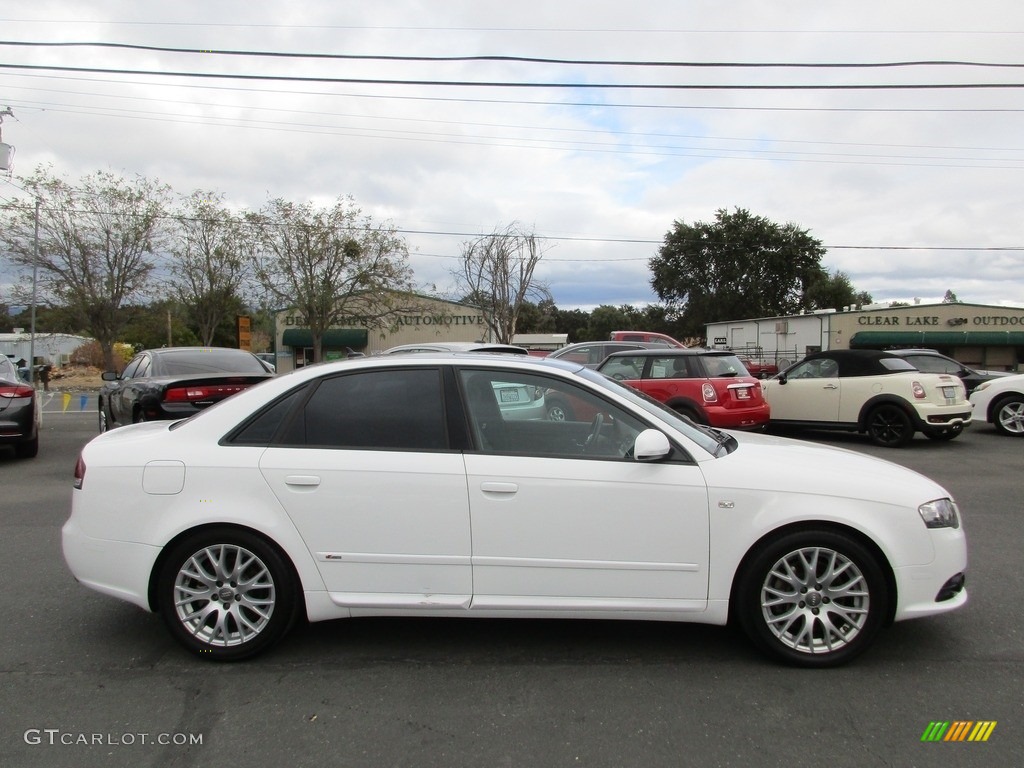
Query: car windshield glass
[698, 434]
[187, 361]
[724, 365]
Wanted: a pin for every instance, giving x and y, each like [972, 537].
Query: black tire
[27, 450]
[1008, 416]
[794, 605]
[889, 425]
[214, 616]
[559, 410]
[691, 413]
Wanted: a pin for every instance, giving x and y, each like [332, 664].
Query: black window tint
[390, 409]
[261, 429]
[129, 370]
[625, 367]
[182, 362]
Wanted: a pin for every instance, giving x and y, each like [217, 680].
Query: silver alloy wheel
[224, 595]
[815, 600]
[1010, 416]
[103, 419]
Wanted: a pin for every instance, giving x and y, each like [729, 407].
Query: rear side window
[386, 409]
[624, 367]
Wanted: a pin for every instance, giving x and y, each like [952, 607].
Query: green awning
[334, 338]
[876, 339]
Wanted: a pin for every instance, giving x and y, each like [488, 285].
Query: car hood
[766, 462]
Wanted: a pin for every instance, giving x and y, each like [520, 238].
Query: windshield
[700, 435]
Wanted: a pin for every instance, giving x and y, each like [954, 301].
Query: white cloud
[855, 168]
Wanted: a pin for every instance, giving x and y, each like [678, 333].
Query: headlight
[941, 513]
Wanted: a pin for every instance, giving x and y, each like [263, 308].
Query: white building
[978, 335]
[54, 348]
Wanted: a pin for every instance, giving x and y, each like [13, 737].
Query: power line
[515, 59]
[538, 102]
[522, 84]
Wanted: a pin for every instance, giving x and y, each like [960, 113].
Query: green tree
[97, 243]
[331, 263]
[833, 291]
[950, 298]
[211, 249]
[738, 266]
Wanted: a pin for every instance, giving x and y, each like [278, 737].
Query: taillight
[201, 393]
[708, 391]
[918, 390]
[79, 472]
[16, 390]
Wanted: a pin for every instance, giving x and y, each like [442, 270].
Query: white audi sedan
[396, 486]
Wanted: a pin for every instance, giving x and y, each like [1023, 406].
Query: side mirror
[109, 375]
[651, 445]
[782, 378]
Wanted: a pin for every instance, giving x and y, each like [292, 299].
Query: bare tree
[97, 241]
[496, 274]
[332, 264]
[210, 249]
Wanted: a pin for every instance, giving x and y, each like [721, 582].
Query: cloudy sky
[597, 124]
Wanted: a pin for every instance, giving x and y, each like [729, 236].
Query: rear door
[367, 476]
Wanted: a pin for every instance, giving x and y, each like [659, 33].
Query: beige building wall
[979, 335]
[428, 319]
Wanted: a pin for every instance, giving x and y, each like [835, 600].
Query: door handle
[502, 488]
[302, 481]
[831, 386]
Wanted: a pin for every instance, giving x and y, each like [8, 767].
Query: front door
[564, 518]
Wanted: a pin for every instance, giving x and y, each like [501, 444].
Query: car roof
[860, 362]
[932, 352]
[662, 351]
[458, 346]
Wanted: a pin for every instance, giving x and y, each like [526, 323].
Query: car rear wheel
[692, 414]
[813, 598]
[1008, 416]
[27, 450]
[226, 594]
[888, 425]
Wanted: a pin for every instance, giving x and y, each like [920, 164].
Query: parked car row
[889, 396]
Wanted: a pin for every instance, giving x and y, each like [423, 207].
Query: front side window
[376, 409]
[559, 419]
[820, 368]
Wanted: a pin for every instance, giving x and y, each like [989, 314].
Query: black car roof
[861, 362]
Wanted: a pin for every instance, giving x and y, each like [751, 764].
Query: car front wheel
[226, 594]
[888, 425]
[813, 598]
[1008, 416]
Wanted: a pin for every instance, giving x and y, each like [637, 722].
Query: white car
[876, 393]
[1001, 402]
[395, 486]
